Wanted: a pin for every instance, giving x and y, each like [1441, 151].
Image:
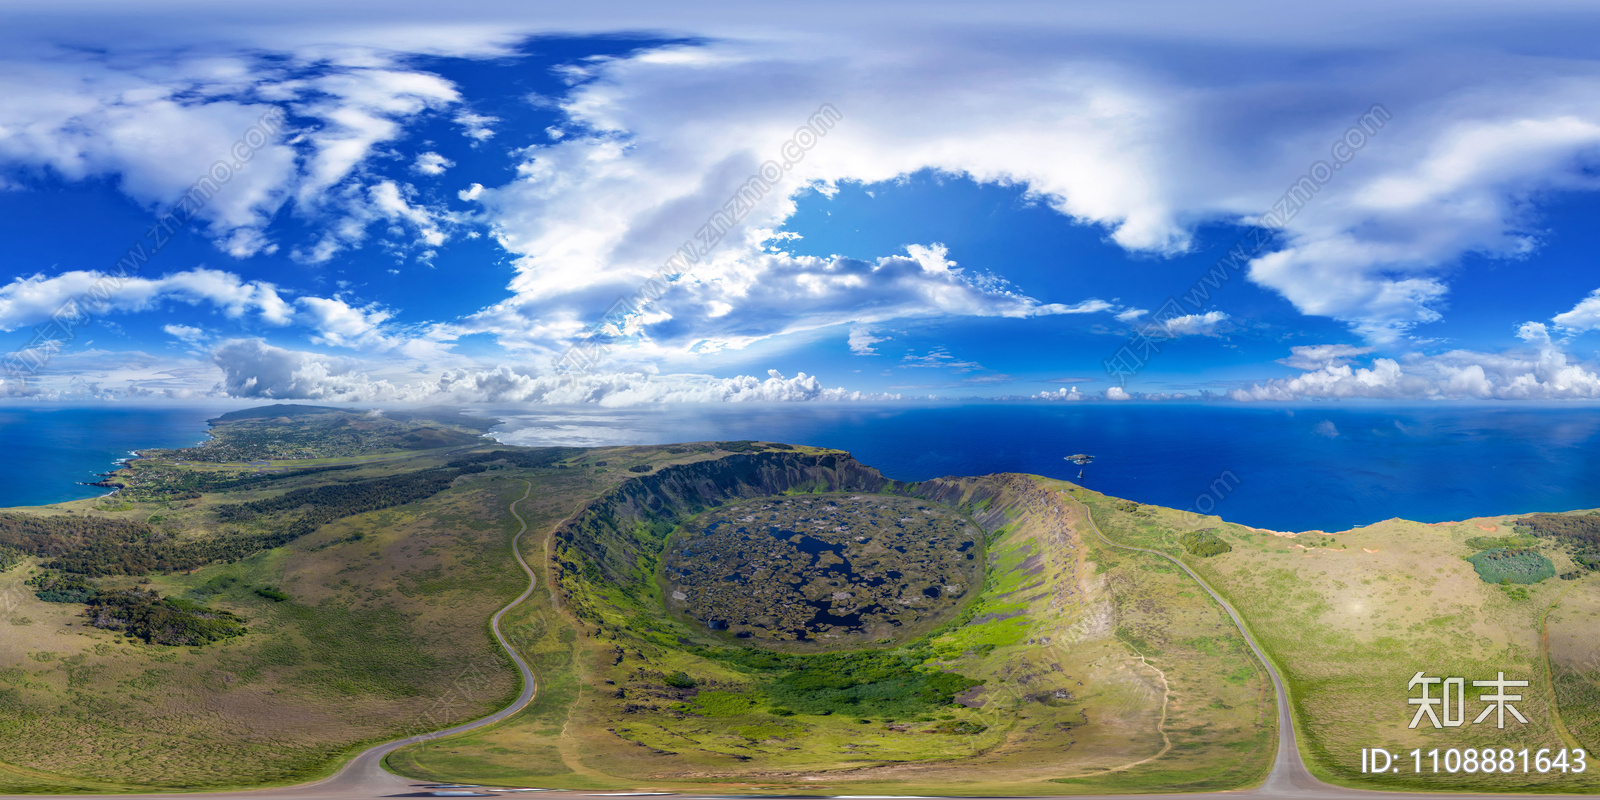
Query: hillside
[745, 616]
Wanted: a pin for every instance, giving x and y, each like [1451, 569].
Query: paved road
[1289, 776]
[364, 776]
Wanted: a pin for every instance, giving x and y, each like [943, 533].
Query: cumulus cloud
[1194, 324]
[255, 369]
[252, 368]
[155, 125]
[476, 126]
[1326, 428]
[1545, 373]
[340, 324]
[30, 300]
[1585, 316]
[188, 334]
[1083, 114]
[733, 301]
[1062, 394]
[431, 164]
[1145, 151]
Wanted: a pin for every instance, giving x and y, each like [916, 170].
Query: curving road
[364, 776]
[1289, 776]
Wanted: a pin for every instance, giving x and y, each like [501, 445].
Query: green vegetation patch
[1501, 542]
[1515, 566]
[723, 704]
[1204, 544]
[10, 557]
[872, 683]
[275, 595]
[162, 620]
[53, 587]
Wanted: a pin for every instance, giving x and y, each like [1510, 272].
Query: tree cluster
[162, 620]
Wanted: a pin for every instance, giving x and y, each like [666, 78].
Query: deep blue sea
[1287, 468]
[50, 450]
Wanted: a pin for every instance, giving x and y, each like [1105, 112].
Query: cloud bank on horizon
[455, 202]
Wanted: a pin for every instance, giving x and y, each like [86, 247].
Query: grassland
[1349, 618]
[370, 636]
[1086, 672]
[1072, 668]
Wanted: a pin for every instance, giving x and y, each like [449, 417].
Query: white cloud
[1585, 316]
[1062, 394]
[252, 368]
[1131, 314]
[1194, 324]
[1534, 333]
[862, 340]
[1326, 428]
[1321, 355]
[742, 297]
[431, 164]
[30, 300]
[383, 200]
[1117, 393]
[360, 108]
[81, 119]
[188, 334]
[476, 126]
[1145, 150]
[1544, 373]
[1087, 115]
[939, 358]
[339, 324]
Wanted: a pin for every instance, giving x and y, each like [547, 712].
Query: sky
[623, 204]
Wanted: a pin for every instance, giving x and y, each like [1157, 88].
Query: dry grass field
[386, 615]
[1074, 668]
[1351, 617]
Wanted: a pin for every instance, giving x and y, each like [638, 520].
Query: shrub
[275, 595]
[680, 680]
[1512, 566]
[640, 468]
[162, 620]
[10, 557]
[53, 587]
[1204, 544]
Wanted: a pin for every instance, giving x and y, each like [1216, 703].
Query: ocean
[50, 451]
[1299, 467]
[1302, 467]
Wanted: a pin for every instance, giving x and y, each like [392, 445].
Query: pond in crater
[822, 571]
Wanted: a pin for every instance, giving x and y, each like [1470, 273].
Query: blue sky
[1008, 201]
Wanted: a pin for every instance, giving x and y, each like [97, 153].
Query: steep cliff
[616, 539]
